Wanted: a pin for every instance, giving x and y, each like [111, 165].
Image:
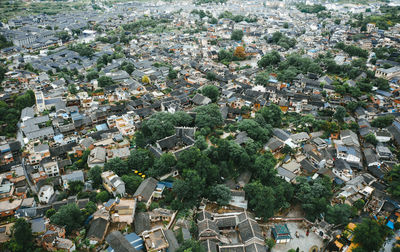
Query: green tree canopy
[22, 239]
[272, 115]
[237, 35]
[117, 165]
[69, 216]
[269, 59]
[132, 182]
[382, 121]
[211, 92]
[105, 81]
[393, 179]
[339, 214]
[369, 234]
[189, 190]
[141, 160]
[208, 116]
[221, 194]
[94, 174]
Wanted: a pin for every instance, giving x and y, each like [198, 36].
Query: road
[33, 187]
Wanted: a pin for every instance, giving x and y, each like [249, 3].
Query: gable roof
[98, 229]
[119, 243]
[146, 189]
[249, 229]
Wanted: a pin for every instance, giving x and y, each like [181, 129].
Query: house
[300, 137]
[145, 191]
[97, 157]
[383, 152]
[8, 208]
[119, 243]
[51, 168]
[112, 183]
[123, 211]
[74, 176]
[250, 231]
[200, 100]
[238, 199]
[45, 193]
[307, 166]
[5, 232]
[274, 144]
[54, 239]
[97, 231]
[371, 158]
[281, 233]
[286, 174]
[342, 170]
[389, 73]
[160, 214]
[155, 240]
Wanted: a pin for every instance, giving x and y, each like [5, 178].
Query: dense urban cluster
[202, 126]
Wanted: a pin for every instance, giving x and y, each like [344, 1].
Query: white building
[45, 193]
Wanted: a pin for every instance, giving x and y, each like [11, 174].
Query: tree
[4, 43]
[92, 75]
[189, 190]
[132, 182]
[264, 168]
[50, 212]
[64, 36]
[211, 92]
[146, 79]
[2, 73]
[261, 199]
[382, 121]
[240, 52]
[117, 165]
[72, 89]
[94, 174]
[314, 195]
[127, 67]
[339, 214]
[141, 160]
[140, 140]
[270, 243]
[287, 150]
[163, 165]
[269, 59]
[75, 187]
[393, 179]
[340, 113]
[359, 204]
[158, 126]
[172, 74]
[221, 194]
[22, 239]
[191, 246]
[272, 115]
[237, 35]
[82, 49]
[105, 81]
[211, 76]
[369, 234]
[370, 138]
[69, 216]
[25, 100]
[208, 116]
[254, 130]
[102, 196]
[91, 207]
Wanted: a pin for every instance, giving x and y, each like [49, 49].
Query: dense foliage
[310, 8]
